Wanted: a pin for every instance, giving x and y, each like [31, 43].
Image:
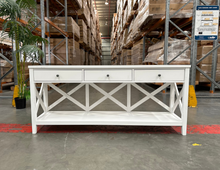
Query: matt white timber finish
[127, 76]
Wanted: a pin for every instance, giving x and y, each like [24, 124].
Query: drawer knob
[107, 75]
[57, 75]
[159, 75]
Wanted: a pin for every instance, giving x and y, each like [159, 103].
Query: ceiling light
[106, 2]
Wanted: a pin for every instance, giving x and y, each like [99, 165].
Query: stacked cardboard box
[93, 28]
[125, 16]
[175, 46]
[127, 57]
[87, 58]
[84, 12]
[83, 32]
[145, 9]
[91, 59]
[93, 44]
[82, 56]
[5, 67]
[60, 52]
[151, 7]
[207, 68]
[72, 26]
[89, 38]
[206, 64]
[137, 53]
[125, 37]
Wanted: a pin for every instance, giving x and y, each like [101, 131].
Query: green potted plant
[26, 44]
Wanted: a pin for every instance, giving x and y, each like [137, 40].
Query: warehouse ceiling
[105, 15]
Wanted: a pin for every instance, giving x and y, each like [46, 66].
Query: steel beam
[43, 30]
[66, 15]
[144, 42]
[166, 31]
[214, 61]
[48, 30]
[193, 47]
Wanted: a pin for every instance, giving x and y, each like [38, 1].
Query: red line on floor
[192, 129]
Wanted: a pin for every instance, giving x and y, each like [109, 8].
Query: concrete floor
[110, 151]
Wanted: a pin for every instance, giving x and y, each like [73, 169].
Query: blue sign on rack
[207, 23]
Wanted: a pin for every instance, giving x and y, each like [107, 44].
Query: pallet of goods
[84, 13]
[82, 56]
[150, 11]
[60, 52]
[206, 64]
[83, 32]
[5, 67]
[93, 44]
[127, 57]
[72, 27]
[89, 39]
[175, 46]
[137, 53]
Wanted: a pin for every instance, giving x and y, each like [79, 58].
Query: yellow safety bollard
[16, 89]
[192, 101]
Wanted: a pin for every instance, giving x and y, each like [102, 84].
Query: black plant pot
[20, 103]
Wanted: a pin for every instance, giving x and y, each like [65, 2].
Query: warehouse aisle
[108, 147]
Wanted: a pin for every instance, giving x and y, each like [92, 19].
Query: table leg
[185, 102]
[172, 97]
[33, 102]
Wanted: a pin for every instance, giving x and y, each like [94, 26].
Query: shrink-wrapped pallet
[175, 47]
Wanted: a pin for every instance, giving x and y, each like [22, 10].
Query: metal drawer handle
[107, 75]
[159, 75]
[58, 75]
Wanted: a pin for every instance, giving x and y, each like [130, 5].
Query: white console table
[125, 75]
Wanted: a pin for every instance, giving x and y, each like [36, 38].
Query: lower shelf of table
[109, 118]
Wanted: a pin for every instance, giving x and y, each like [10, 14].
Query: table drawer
[108, 75]
[57, 75]
[159, 75]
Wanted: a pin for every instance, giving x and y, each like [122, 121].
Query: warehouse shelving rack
[4, 47]
[58, 8]
[62, 8]
[194, 44]
[171, 26]
[187, 24]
